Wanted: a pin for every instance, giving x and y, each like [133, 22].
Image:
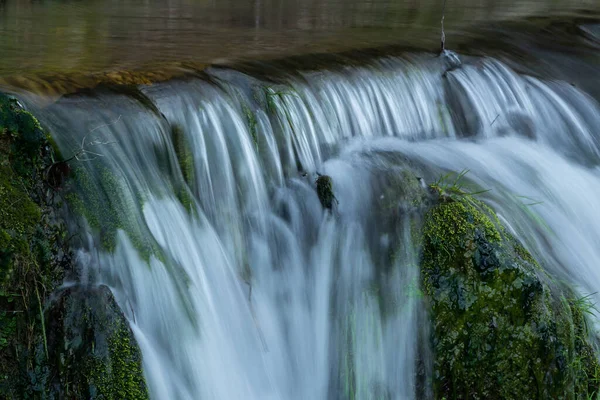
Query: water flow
[237, 283]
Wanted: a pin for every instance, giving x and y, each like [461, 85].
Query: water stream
[59, 37]
[236, 282]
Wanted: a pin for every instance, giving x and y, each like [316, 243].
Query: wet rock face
[403, 192]
[92, 348]
[325, 191]
[54, 344]
[501, 328]
[33, 258]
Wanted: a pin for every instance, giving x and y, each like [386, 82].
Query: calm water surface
[100, 35]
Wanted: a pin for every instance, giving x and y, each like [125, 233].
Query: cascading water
[236, 282]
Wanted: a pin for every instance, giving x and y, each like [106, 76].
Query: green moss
[127, 367]
[118, 376]
[105, 202]
[252, 124]
[185, 156]
[584, 364]
[8, 323]
[523, 253]
[29, 243]
[34, 351]
[19, 215]
[18, 123]
[325, 191]
[20, 142]
[186, 199]
[499, 328]
[92, 348]
[185, 160]
[55, 149]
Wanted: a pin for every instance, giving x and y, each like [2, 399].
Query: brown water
[102, 35]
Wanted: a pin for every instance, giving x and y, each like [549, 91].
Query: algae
[93, 347]
[38, 360]
[325, 191]
[252, 124]
[183, 150]
[30, 240]
[102, 197]
[500, 330]
[185, 161]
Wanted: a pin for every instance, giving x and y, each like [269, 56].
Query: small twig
[15, 202]
[97, 143]
[42, 319]
[87, 152]
[82, 149]
[105, 125]
[443, 33]
[497, 116]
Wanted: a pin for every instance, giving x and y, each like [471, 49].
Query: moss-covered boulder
[73, 344]
[31, 245]
[20, 141]
[502, 329]
[92, 346]
[401, 192]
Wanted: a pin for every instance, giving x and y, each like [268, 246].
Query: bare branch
[91, 152]
[82, 149]
[105, 125]
[443, 33]
[99, 143]
[495, 120]
[96, 128]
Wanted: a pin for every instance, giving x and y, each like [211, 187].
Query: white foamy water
[255, 292]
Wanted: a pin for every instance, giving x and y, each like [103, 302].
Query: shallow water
[99, 35]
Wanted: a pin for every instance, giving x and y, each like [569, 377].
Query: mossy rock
[33, 258]
[185, 155]
[82, 347]
[102, 197]
[502, 329]
[185, 160]
[400, 197]
[94, 349]
[403, 192]
[325, 191]
[20, 125]
[19, 216]
[20, 141]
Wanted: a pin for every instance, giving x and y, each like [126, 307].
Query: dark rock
[325, 191]
[82, 347]
[92, 348]
[502, 329]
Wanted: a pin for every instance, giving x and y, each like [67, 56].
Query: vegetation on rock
[502, 329]
[31, 239]
[185, 160]
[34, 259]
[325, 191]
[93, 347]
[101, 196]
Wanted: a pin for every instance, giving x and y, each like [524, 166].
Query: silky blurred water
[103, 35]
[254, 291]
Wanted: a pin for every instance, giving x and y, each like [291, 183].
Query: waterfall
[236, 282]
